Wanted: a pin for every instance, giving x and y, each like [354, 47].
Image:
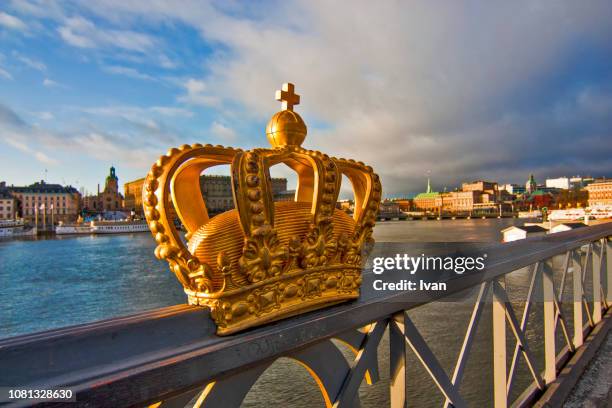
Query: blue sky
[467, 90]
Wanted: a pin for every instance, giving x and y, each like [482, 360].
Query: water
[49, 283]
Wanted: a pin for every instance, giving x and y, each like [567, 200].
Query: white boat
[575, 214]
[530, 214]
[118, 227]
[75, 228]
[571, 214]
[14, 228]
[600, 212]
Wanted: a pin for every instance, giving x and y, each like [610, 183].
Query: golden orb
[286, 128]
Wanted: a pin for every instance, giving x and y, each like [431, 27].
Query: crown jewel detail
[263, 260]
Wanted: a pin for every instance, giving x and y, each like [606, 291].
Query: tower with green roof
[112, 181]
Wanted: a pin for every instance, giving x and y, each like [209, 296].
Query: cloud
[131, 112]
[128, 148]
[5, 74]
[107, 147]
[82, 33]
[43, 158]
[45, 116]
[145, 125]
[15, 132]
[32, 63]
[9, 118]
[49, 83]
[461, 90]
[414, 86]
[12, 22]
[171, 111]
[166, 62]
[128, 72]
[198, 94]
[37, 8]
[223, 132]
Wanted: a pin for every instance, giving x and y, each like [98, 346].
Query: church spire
[428, 185]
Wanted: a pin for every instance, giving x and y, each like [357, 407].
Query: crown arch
[318, 183]
[187, 194]
[367, 191]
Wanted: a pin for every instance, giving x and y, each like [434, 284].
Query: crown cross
[288, 96]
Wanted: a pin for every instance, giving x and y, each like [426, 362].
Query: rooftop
[433, 194]
[42, 187]
[573, 225]
[526, 228]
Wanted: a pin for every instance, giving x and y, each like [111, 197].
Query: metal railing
[171, 357]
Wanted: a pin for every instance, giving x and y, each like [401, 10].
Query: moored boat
[73, 228]
[571, 214]
[119, 227]
[530, 214]
[11, 228]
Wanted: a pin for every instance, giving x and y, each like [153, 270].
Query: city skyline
[86, 86]
[427, 182]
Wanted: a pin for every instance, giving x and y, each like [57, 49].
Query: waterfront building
[460, 201]
[429, 200]
[514, 189]
[505, 197]
[7, 205]
[405, 204]
[488, 187]
[587, 180]
[110, 199]
[531, 185]
[580, 182]
[284, 195]
[217, 191]
[488, 191]
[600, 193]
[562, 183]
[478, 195]
[132, 196]
[54, 201]
[347, 206]
[572, 198]
[540, 199]
[389, 210]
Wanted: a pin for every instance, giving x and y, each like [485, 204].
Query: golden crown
[263, 260]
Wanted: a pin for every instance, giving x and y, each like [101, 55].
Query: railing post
[550, 357]
[500, 397]
[577, 285]
[597, 258]
[397, 355]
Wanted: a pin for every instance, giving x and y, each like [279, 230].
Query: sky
[459, 91]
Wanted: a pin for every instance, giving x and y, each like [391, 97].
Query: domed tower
[112, 182]
[531, 184]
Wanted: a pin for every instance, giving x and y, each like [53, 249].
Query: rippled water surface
[49, 283]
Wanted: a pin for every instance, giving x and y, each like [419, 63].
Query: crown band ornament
[263, 260]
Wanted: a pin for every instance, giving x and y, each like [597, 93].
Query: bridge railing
[171, 357]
